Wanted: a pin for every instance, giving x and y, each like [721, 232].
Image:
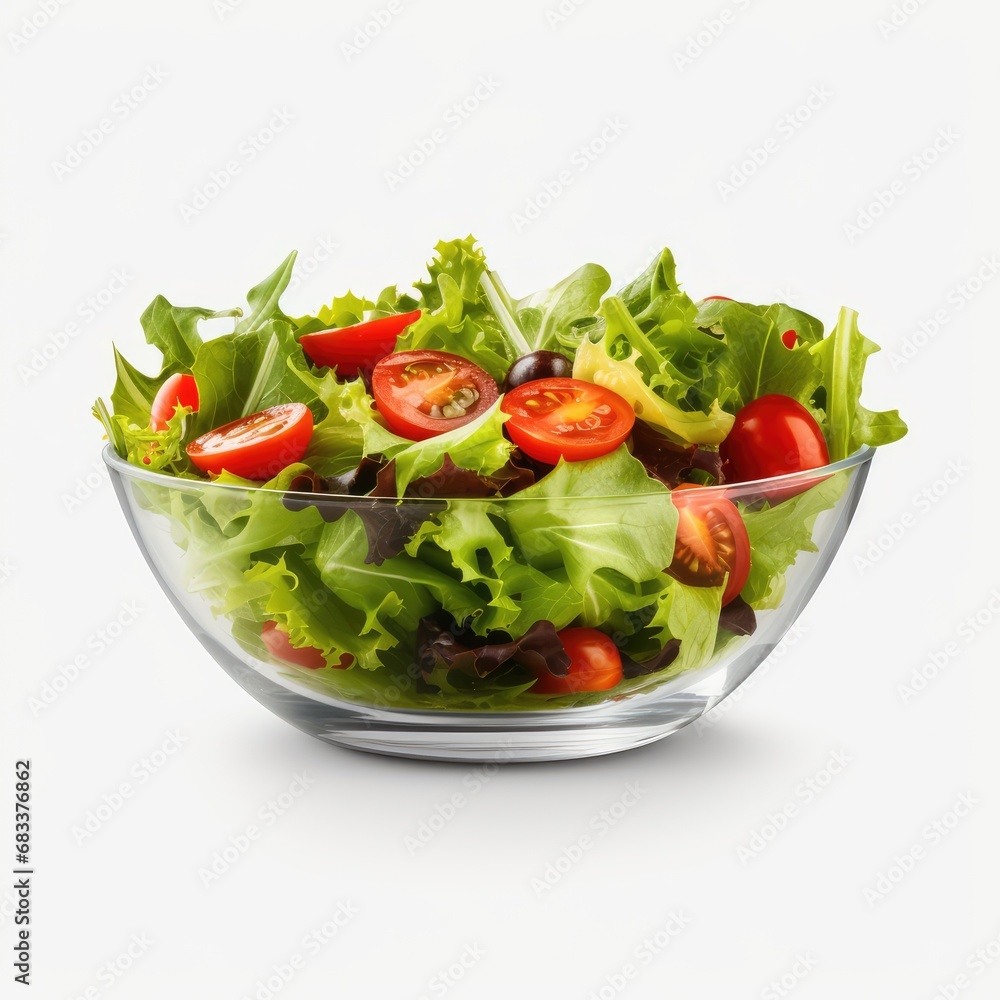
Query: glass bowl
[228, 557]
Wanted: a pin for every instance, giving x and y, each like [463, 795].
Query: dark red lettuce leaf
[310, 490]
[358, 482]
[663, 659]
[442, 642]
[669, 462]
[453, 483]
[738, 617]
[388, 525]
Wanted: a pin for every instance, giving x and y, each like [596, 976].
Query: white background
[686, 846]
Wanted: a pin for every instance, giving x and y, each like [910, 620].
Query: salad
[447, 497]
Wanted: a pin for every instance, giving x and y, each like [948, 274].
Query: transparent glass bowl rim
[859, 457]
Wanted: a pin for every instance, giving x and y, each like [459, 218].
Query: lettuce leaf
[611, 601]
[237, 374]
[842, 357]
[157, 451]
[601, 514]
[466, 537]
[469, 312]
[133, 394]
[174, 331]
[400, 591]
[468, 532]
[627, 361]
[756, 362]
[350, 430]
[649, 348]
[291, 593]
[479, 446]
[442, 643]
[264, 297]
[457, 316]
[690, 614]
[778, 534]
[556, 318]
[677, 357]
[659, 279]
[450, 327]
[463, 264]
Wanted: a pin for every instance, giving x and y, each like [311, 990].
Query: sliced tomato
[424, 393]
[258, 446]
[789, 338]
[711, 542]
[595, 664]
[178, 390]
[281, 648]
[553, 418]
[716, 298]
[349, 348]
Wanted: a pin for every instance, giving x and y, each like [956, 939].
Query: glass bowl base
[481, 748]
[494, 737]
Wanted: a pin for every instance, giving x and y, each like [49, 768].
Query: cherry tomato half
[424, 393]
[595, 664]
[773, 436]
[555, 418]
[349, 348]
[258, 446]
[712, 541]
[789, 338]
[716, 298]
[281, 648]
[178, 390]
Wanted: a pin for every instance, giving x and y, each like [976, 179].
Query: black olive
[538, 364]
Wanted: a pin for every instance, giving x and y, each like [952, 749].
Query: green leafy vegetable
[133, 394]
[263, 298]
[778, 534]
[690, 614]
[292, 594]
[627, 361]
[459, 327]
[400, 591]
[604, 513]
[458, 317]
[756, 362]
[158, 451]
[350, 430]
[842, 357]
[555, 319]
[478, 445]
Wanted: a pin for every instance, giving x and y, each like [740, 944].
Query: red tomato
[424, 393]
[716, 298]
[258, 446]
[360, 346]
[773, 436]
[553, 418]
[789, 338]
[595, 664]
[280, 647]
[712, 541]
[178, 390]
